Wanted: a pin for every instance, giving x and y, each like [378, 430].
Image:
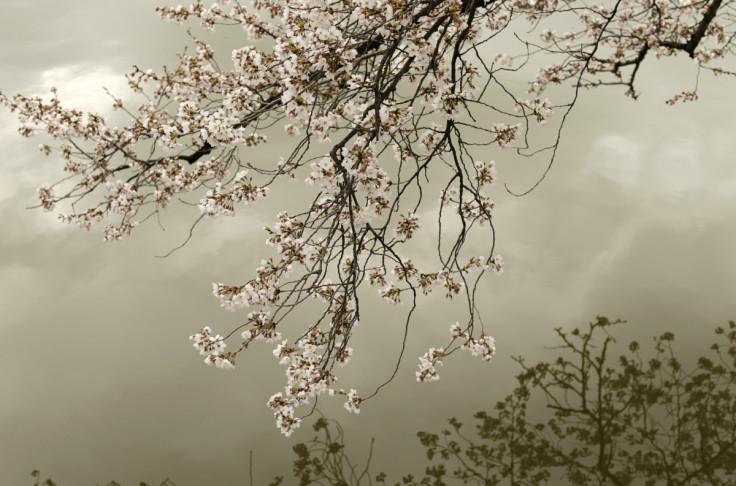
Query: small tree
[631, 421]
[323, 460]
[384, 100]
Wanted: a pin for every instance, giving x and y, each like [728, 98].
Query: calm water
[99, 380]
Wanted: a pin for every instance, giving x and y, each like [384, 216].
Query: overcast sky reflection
[636, 220]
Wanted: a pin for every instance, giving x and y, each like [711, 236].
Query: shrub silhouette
[580, 419]
[631, 421]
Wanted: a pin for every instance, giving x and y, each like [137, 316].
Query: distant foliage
[627, 421]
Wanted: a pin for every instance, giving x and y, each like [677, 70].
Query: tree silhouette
[582, 419]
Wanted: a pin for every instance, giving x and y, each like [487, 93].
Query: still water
[98, 378]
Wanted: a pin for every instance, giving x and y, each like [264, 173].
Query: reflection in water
[618, 228]
[607, 421]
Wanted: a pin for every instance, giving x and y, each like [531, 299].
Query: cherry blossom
[380, 102]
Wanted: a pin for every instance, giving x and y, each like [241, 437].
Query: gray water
[99, 381]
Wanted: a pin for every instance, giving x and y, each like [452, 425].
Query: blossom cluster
[222, 201]
[213, 347]
[306, 378]
[483, 346]
[427, 365]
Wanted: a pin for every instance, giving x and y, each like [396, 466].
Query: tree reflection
[581, 418]
[637, 420]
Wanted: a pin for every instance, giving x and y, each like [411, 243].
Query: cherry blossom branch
[352, 82]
